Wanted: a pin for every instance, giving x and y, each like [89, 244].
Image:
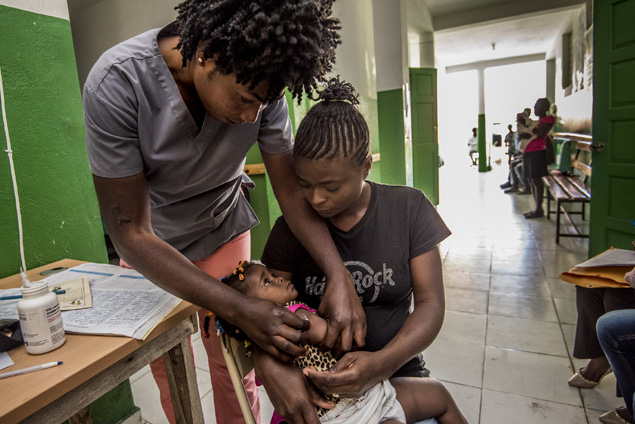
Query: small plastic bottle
[40, 319]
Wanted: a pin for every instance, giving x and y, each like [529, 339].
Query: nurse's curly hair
[334, 126]
[288, 43]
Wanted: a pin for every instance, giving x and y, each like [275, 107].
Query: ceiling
[468, 31]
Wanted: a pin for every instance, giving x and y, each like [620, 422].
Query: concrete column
[483, 166]
[426, 50]
[551, 79]
[391, 62]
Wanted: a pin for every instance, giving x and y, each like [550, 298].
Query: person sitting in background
[616, 334]
[472, 145]
[518, 176]
[592, 303]
[378, 404]
[516, 182]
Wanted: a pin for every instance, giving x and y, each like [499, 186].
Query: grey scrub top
[136, 121]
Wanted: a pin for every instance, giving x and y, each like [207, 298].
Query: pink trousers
[220, 263]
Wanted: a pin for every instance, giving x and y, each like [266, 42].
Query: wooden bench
[570, 186]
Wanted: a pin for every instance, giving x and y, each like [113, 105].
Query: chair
[238, 365]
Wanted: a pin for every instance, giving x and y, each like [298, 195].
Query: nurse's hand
[276, 330]
[343, 310]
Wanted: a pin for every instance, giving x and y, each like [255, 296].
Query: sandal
[613, 417]
[580, 381]
[535, 214]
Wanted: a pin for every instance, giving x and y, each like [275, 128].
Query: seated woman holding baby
[387, 237]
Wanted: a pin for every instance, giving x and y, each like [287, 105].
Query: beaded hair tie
[240, 270]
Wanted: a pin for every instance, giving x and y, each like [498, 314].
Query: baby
[380, 403]
[525, 128]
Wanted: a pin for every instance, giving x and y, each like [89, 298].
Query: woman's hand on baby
[351, 376]
[276, 330]
[343, 310]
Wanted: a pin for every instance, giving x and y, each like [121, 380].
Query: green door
[425, 148]
[613, 179]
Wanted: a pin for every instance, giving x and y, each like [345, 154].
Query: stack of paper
[124, 302]
[604, 270]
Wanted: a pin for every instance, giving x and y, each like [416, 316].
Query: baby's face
[265, 285]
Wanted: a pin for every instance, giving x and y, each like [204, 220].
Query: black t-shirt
[400, 224]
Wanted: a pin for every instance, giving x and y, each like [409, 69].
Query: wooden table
[93, 365]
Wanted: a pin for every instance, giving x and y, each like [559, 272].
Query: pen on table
[19, 296]
[30, 369]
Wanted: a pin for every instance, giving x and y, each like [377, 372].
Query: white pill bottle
[40, 319]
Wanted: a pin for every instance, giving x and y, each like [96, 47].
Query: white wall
[355, 57]
[420, 34]
[575, 105]
[56, 8]
[108, 22]
[105, 23]
[390, 45]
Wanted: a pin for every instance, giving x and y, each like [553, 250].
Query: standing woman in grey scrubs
[170, 115]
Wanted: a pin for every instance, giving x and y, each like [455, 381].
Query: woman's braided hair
[288, 43]
[333, 127]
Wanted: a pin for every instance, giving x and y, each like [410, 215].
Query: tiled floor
[505, 348]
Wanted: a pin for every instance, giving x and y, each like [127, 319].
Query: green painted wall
[60, 214]
[392, 136]
[114, 407]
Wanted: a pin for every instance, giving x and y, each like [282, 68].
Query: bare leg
[595, 368]
[623, 412]
[424, 397]
[539, 194]
[531, 188]
[536, 186]
[534, 192]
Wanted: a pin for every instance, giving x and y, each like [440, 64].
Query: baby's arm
[317, 331]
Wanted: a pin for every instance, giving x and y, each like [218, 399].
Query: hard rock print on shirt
[368, 282]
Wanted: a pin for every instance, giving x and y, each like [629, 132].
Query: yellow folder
[600, 276]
